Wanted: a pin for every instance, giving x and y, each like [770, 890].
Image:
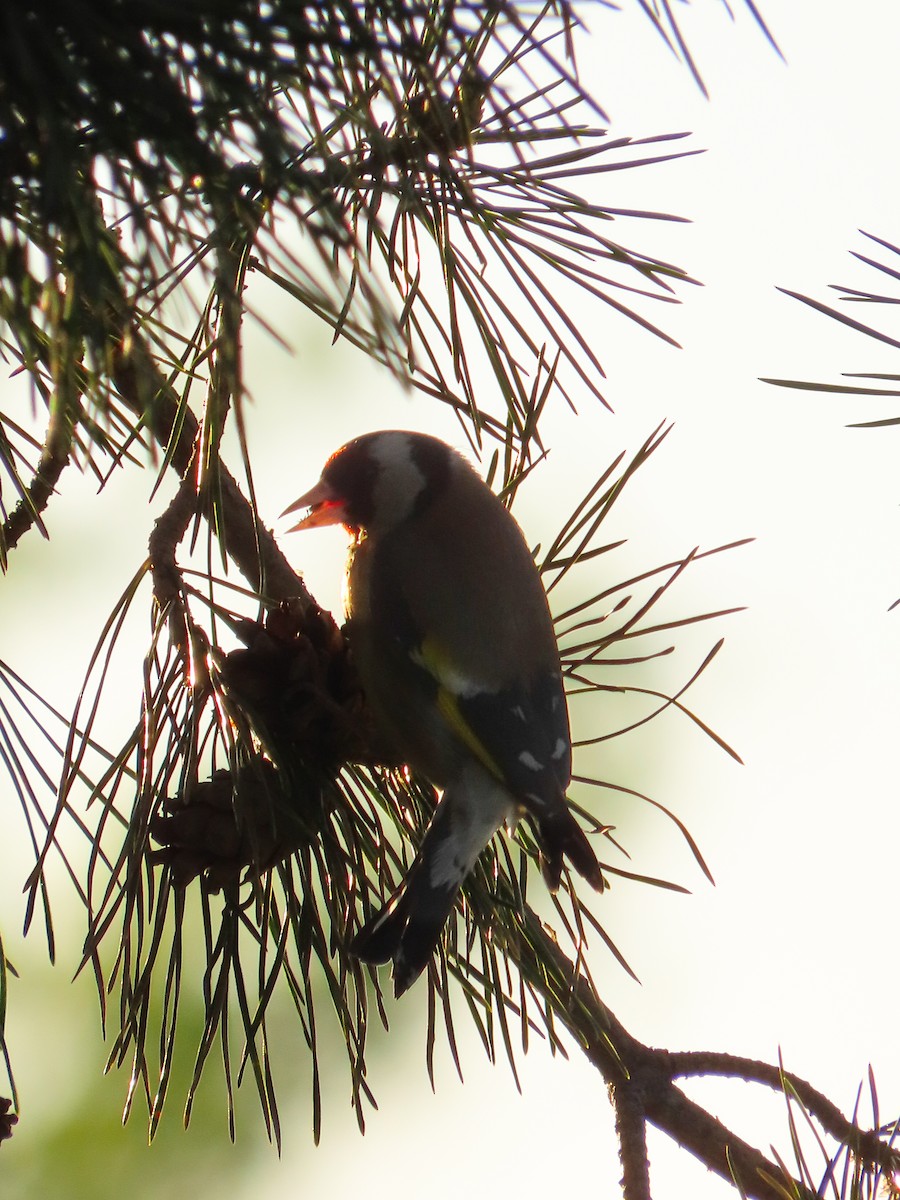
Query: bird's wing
[519, 732]
[520, 735]
[409, 926]
[443, 705]
[472, 673]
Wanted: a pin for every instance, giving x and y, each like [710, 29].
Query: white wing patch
[527, 759]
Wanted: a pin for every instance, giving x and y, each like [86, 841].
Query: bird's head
[377, 481]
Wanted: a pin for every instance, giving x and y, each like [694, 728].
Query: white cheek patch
[399, 483]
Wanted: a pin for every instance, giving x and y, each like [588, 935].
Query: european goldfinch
[450, 629]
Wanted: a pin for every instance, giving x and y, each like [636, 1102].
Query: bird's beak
[325, 508]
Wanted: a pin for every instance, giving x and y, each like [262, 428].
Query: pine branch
[642, 1080]
[642, 1083]
[382, 132]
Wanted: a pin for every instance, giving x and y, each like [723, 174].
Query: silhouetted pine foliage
[416, 175]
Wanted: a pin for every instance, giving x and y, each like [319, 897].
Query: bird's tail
[560, 836]
[408, 928]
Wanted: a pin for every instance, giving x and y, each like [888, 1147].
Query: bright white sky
[793, 947]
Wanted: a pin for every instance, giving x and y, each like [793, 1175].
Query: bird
[450, 629]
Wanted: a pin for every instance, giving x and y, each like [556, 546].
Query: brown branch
[170, 528]
[631, 1130]
[54, 458]
[640, 1078]
[163, 543]
[865, 1144]
[249, 544]
[151, 396]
